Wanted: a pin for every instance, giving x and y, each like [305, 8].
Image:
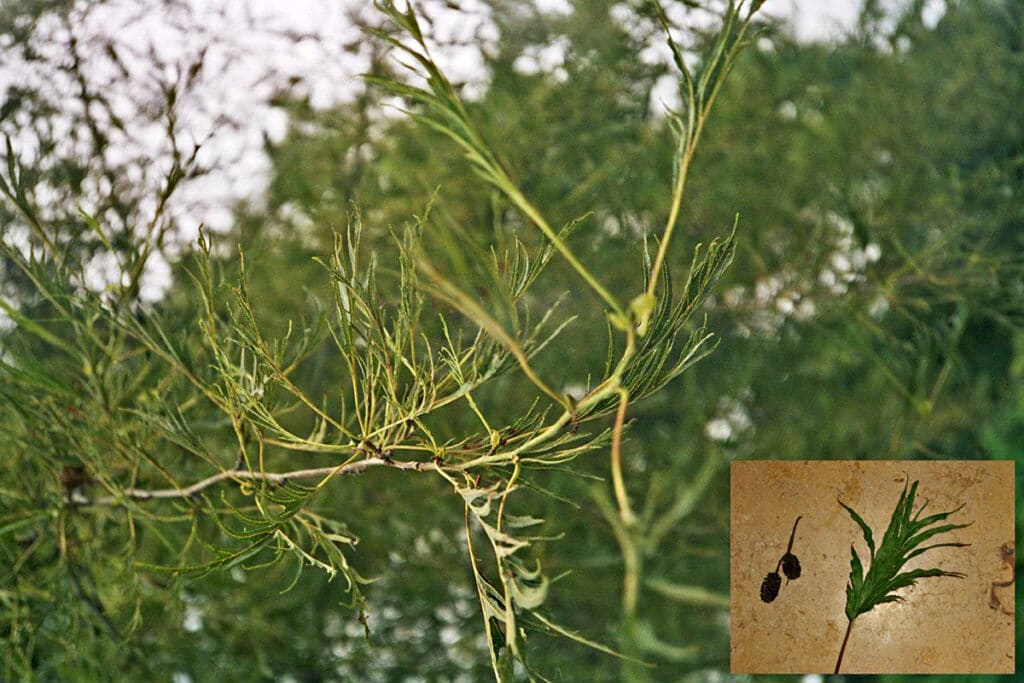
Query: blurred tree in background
[873, 310]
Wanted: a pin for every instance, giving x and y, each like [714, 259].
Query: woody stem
[842, 650]
[789, 548]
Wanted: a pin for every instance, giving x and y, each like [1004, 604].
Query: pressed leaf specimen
[790, 567]
[901, 543]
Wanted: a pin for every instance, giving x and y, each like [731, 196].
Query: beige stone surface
[945, 625]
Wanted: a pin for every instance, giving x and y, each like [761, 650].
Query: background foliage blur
[873, 311]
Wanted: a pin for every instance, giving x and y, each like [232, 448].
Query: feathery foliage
[127, 398]
[650, 322]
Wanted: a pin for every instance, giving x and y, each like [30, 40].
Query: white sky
[816, 19]
[245, 40]
[825, 19]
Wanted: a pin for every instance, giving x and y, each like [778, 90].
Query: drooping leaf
[868, 538]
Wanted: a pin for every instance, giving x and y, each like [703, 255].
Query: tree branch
[244, 475]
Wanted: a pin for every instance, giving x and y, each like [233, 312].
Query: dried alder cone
[770, 587]
[790, 567]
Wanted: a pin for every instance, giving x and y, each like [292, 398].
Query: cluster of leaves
[126, 397]
[651, 321]
[905, 130]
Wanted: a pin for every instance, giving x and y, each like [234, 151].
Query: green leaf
[936, 545]
[868, 538]
[856, 570]
[900, 544]
[920, 538]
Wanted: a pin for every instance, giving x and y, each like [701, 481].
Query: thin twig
[504, 573]
[619, 485]
[245, 475]
[842, 650]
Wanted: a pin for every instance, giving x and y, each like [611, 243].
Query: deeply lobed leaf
[900, 544]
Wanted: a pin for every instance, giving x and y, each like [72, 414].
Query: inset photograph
[863, 567]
